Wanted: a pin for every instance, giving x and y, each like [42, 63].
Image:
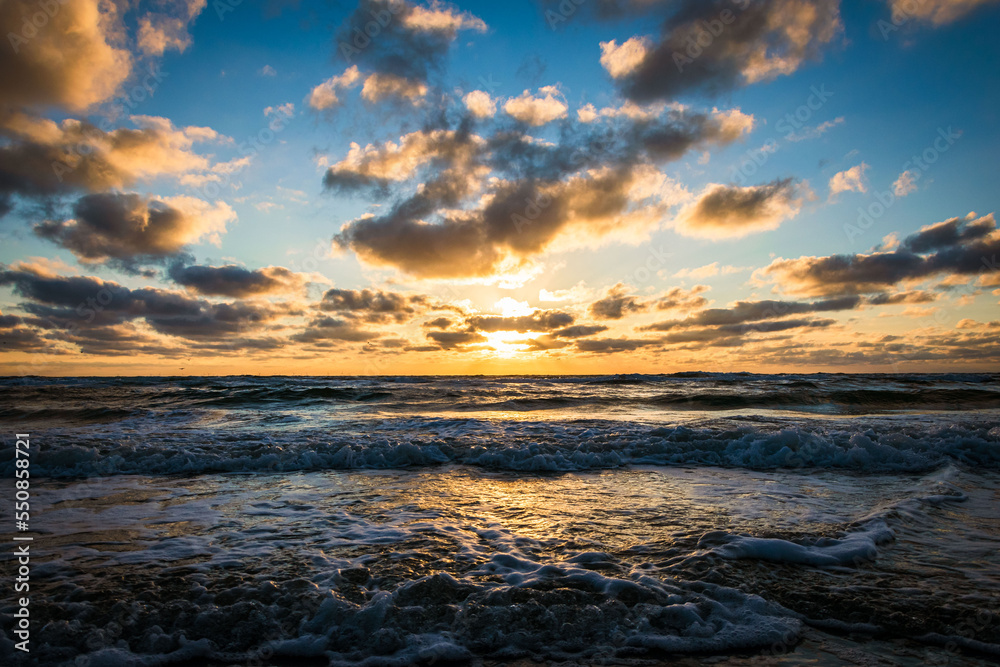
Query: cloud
[324, 96]
[815, 132]
[617, 304]
[42, 158]
[236, 281]
[959, 246]
[952, 233]
[539, 109]
[935, 12]
[677, 298]
[323, 329]
[374, 305]
[753, 42]
[449, 340]
[410, 42]
[914, 296]
[906, 183]
[731, 211]
[133, 228]
[698, 273]
[743, 312]
[379, 87]
[267, 70]
[160, 32]
[16, 337]
[851, 180]
[75, 61]
[480, 104]
[473, 206]
[505, 226]
[471, 332]
[732, 326]
[578, 292]
[580, 331]
[286, 110]
[623, 60]
[377, 166]
[84, 303]
[543, 320]
[441, 19]
[612, 345]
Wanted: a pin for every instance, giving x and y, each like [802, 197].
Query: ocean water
[673, 519]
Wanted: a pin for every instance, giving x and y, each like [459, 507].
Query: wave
[69, 415]
[81, 400]
[849, 400]
[538, 447]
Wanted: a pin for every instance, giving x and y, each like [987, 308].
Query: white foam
[853, 548]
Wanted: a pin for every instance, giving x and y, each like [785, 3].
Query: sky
[195, 187]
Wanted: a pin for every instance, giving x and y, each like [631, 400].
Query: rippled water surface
[813, 519]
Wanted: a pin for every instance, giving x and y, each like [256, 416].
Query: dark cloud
[438, 323]
[40, 159]
[949, 234]
[617, 304]
[729, 211]
[580, 331]
[677, 298]
[123, 340]
[711, 47]
[915, 296]
[469, 332]
[610, 345]
[448, 340]
[77, 302]
[735, 335]
[331, 329]
[374, 305]
[558, 12]
[401, 39]
[960, 246]
[14, 336]
[546, 320]
[474, 242]
[770, 327]
[236, 281]
[596, 182]
[755, 311]
[133, 229]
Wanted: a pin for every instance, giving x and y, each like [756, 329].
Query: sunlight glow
[509, 307]
[507, 344]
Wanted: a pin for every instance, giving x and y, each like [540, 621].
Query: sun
[508, 344]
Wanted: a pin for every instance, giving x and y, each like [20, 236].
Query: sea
[684, 519]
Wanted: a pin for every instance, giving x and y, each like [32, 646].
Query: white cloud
[534, 110]
[620, 60]
[906, 183]
[480, 104]
[324, 96]
[380, 86]
[851, 180]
